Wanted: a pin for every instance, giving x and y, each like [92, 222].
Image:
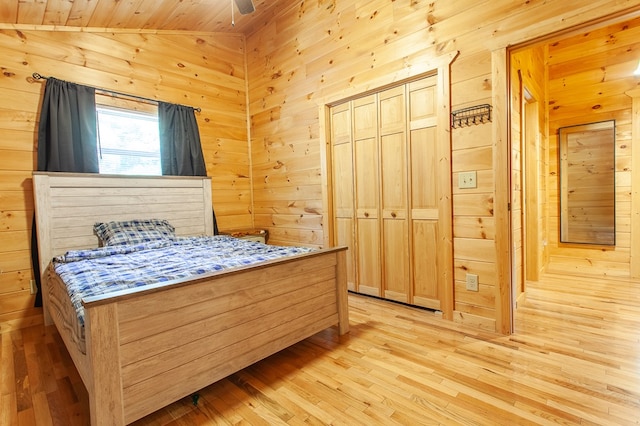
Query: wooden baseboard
[21, 319]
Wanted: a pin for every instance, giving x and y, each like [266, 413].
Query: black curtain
[67, 141]
[180, 147]
[67, 137]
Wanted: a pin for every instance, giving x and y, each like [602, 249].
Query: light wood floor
[575, 359]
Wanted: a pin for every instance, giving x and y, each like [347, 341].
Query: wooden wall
[589, 75]
[318, 52]
[205, 70]
[307, 55]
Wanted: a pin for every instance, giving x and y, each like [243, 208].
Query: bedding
[133, 231]
[114, 268]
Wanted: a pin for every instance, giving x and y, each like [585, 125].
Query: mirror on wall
[587, 183]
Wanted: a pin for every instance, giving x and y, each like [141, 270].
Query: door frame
[500, 59]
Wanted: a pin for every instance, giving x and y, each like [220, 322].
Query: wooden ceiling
[183, 15]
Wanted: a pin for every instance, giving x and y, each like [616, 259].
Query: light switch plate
[472, 282]
[467, 180]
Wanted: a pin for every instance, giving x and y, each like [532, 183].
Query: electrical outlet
[467, 180]
[472, 282]
[34, 288]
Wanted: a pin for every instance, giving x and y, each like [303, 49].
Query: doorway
[574, 78]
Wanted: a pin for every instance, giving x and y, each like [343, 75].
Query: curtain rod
[113, 92]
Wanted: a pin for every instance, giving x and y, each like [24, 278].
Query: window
[128, 142]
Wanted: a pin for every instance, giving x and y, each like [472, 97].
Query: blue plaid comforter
[107, 269]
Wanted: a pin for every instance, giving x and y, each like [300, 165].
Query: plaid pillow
[133, 231]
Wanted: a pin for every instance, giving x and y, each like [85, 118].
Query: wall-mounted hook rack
[470, 116]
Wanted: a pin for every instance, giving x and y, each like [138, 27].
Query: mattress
[84, 273]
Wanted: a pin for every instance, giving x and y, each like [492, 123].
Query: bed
[145, 347]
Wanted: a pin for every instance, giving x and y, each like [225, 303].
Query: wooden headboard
[68, 204]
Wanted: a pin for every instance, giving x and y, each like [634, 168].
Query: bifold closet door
[387, 192]
[343, 195]
[393, 187]
[424, 193]
[367, 195]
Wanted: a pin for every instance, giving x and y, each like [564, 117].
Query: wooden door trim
[634, 267]
[502, 190]
[445, 203]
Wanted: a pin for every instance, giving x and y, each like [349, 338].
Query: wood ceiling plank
[31, 12]
[186, 15]
[9, 12]
[138, 17]
[57, 12]
[120, 13]
[81, 12]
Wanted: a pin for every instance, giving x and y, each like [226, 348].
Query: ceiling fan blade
[245, 6]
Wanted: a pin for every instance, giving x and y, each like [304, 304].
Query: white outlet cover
[467, 180]
[472, 282]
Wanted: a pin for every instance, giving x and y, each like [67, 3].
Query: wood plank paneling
[192, 15]
[299, 54]
[310, 54]
[203, 70]
[592, 89]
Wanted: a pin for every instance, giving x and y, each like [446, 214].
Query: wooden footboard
[150, 348]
